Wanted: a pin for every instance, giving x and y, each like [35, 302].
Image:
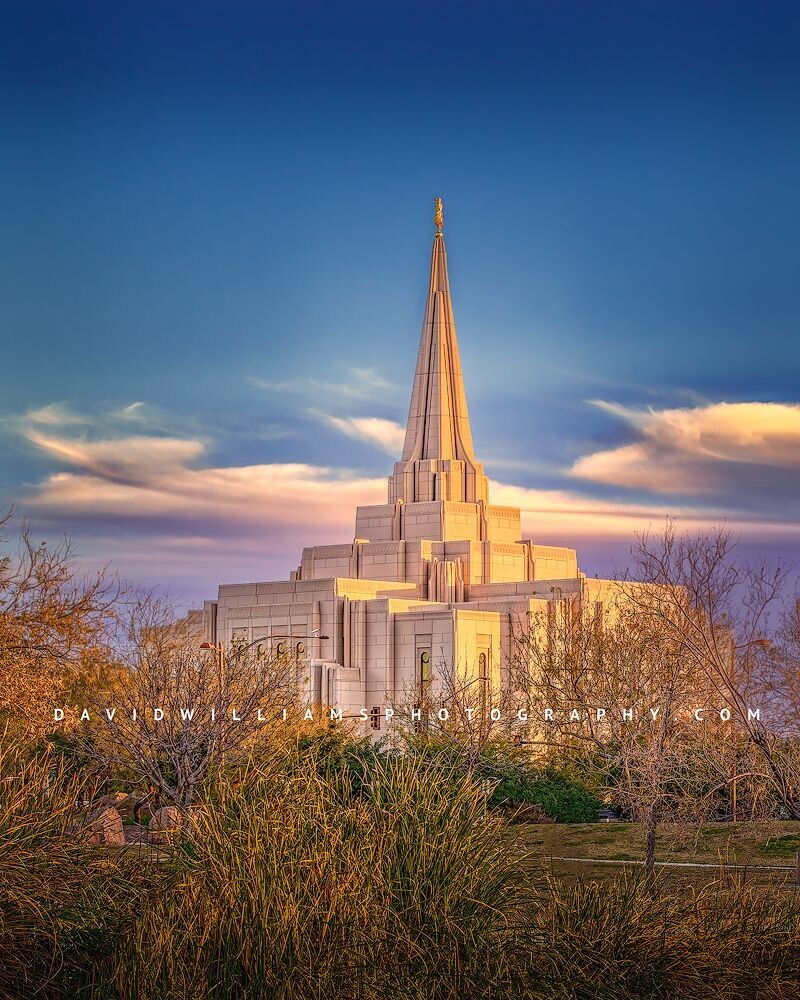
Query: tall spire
[438, 460]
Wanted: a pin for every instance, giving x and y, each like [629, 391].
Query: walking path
[675, 864]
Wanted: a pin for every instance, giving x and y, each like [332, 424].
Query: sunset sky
[215, 225]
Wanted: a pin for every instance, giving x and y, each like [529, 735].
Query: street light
[220, 651]
[243, 649]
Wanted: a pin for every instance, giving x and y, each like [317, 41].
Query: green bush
[562, 797]
[346, 762]
[559, 791]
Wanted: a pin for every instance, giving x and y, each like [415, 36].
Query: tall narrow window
[424, 670]
[484, 680]
[424, 679]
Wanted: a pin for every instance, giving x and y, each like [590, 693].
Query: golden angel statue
[438, 217]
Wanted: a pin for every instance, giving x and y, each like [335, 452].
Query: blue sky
[216, 220]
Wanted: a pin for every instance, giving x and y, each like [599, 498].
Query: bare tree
[785, 663]
[463, 708]
[779, 690]
[177, 712]
[619, 696]
[51, 621]
[694, 590]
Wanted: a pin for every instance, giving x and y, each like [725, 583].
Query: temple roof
[438, 426]
[438, 421]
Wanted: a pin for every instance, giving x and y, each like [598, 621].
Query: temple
[436, 574]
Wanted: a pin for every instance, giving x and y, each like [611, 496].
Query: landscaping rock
[135, 833]
[164, 825]
[121, 801]
[104, 828]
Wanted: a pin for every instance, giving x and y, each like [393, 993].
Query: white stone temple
[436, 574]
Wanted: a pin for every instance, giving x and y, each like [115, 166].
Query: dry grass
[614, 940]
[298, 883]
[61, 901]
[293, 887]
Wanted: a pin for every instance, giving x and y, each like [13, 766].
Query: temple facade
[436, 574]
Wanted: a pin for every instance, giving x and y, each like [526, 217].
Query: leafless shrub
[177, 712]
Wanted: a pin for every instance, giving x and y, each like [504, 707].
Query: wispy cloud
[61, 415]
[567, 517]
[359, 384]
[764, 433]
[133, 413]
[135, 459]
[387, 435]
[625, 387]
[152, 503]
[163, 511]
[56, 415]
[227, 501]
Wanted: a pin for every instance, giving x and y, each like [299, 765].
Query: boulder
[165, 825]
[104, 828]
[121, 801]
[135, 833]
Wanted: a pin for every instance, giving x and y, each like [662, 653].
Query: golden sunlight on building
[436, 574]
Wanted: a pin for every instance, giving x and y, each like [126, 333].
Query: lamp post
[219, 651]
[241, 650]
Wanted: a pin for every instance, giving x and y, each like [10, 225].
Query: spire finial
[438, 217]
[438, 461]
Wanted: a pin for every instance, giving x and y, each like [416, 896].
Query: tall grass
[295, 887]
[615, 940]
[62, 902]
[316, 875]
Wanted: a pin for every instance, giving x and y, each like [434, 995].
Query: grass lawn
[770, 843]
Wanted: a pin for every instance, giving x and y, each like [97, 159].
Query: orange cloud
[696, 450]
[151, 480]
